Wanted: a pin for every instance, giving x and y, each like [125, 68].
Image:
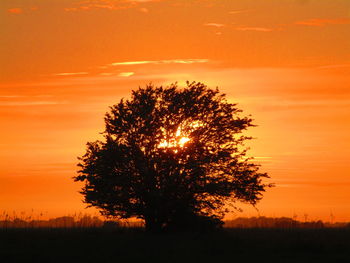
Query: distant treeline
[279, 222]
[87, 221]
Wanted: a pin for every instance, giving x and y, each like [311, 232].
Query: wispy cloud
[22, 96]
[300, 183]
[25, 100]
[10, 96]
[171, 61]
[71, 73]
[214, 24]
[15, 10]
[109, 5]
[233, 12]
[126, 74]
[30, 103]
[258, 29]
[141, 1]
[144, 10]
[107, 74]
[335, 66]
[262, 159]
[323, 22]
[121, 74]
[133, 63]
[18, 10]
[92, 6]
[106, 70]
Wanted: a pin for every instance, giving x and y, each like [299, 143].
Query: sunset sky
[285, 62]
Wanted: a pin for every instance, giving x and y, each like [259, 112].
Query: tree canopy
[171, 156]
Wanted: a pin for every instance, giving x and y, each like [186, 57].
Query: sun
[179, 140]
[180, 137]
[183, 140]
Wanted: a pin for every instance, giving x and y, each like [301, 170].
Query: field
[133, 245]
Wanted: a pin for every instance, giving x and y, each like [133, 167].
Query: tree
[172, 157]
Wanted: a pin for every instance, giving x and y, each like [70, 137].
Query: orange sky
[286, 62]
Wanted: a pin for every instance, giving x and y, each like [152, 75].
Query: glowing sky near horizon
[285, 62]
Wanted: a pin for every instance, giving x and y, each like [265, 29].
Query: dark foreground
[133, 245]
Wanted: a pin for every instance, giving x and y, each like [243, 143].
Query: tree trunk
[153, 225]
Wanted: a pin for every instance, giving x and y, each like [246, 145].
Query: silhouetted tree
[172, 157]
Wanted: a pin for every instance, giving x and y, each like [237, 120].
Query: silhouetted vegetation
[171, 157]
[71, 221]
[281, 222]
[88, 221]
[134, 245]
[84, 238]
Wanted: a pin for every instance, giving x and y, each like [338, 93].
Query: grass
[133, 245]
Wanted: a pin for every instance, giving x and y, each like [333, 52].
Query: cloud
[214, 24]
[10, 96]
[109, 5]
[133, 63]
[24, 100]
[126, 74]
[243, 28]
[258, 29]
[71, 9]
[141, 1]
[335, 66]
[106, 74]
[323, 22]
[30, 103]
[299, 183]
[304, 105]
[92, 6]
[262, 159]
[15, 10]
[233, 12]
[71, 73]
[171, 61]
[121, 74]
[22, 96]
[144, 10]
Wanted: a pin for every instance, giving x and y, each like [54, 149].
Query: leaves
[142, 169]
